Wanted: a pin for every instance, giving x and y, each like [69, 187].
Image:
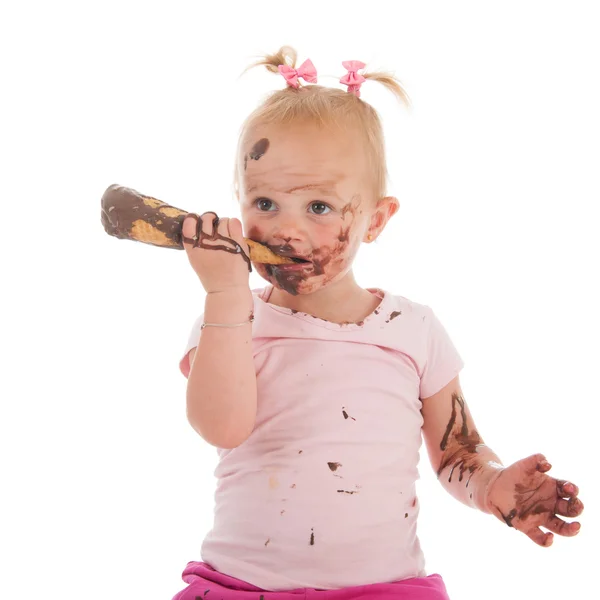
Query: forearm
[221, 389]
[466, 472]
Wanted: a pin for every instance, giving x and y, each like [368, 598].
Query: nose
[288, 230]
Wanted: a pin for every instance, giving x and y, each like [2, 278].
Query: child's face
[306, 192]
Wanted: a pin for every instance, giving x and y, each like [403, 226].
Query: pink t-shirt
[322, 494]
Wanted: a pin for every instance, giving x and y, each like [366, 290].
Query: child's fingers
[190, 226]
[569, 508]
[539, 537]
[566, 489]
[562, 527]
[236, 233]
[208, 221]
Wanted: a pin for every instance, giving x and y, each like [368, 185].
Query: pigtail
[392, 83]
[286, 55]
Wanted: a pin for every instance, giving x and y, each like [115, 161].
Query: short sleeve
[442, 361]
[193, 339]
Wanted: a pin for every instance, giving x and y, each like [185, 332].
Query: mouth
[299, 263]
[286, 251]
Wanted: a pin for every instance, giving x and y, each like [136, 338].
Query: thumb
[237, 235]
[535, 462]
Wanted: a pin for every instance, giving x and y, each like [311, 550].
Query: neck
[343, 301]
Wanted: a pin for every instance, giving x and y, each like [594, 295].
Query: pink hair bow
[306, 71]
[353, 79]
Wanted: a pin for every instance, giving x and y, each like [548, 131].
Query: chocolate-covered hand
[211, 245]
[526, 498]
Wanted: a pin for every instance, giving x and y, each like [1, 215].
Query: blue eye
[264, 204]
[322, 208]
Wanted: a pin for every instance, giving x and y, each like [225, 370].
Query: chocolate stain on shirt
[312, 537]
[393, 315]
[267, 542]
[346, 414]
[347, 492]
[334, 466]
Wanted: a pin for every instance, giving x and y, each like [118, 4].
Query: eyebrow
[318, 187]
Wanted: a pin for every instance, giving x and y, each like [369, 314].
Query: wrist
[233, 305]
[484, 485]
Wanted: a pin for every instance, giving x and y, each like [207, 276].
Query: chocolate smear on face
[258, 151]
[344, 235]
[350, 208]
[288, 281]
[201, 237]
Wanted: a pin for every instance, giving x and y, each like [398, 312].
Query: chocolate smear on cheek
[320, 258]
[202, 237]
[344, 234]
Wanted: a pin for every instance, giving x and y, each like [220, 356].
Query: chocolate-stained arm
[464, 465]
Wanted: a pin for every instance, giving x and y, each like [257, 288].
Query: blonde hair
[322, 106]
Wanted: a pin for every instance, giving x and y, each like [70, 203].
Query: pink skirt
[207, 584]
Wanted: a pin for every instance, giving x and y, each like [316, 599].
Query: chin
[297, 283]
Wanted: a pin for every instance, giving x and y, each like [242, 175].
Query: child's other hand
[525, 498]
[220, 255]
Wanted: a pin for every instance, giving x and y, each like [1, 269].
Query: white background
[106, 489]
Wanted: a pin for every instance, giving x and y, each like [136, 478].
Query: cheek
[337, 252]
[253, 232]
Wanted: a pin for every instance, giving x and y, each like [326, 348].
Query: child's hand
[217, 252]
[525, 498]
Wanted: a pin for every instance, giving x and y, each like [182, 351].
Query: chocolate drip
[200, 237]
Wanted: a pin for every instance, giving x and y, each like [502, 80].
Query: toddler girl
[315, 391]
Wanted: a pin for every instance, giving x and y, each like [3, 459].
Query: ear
[386, 208]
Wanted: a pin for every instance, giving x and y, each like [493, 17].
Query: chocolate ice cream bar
[129, 215]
